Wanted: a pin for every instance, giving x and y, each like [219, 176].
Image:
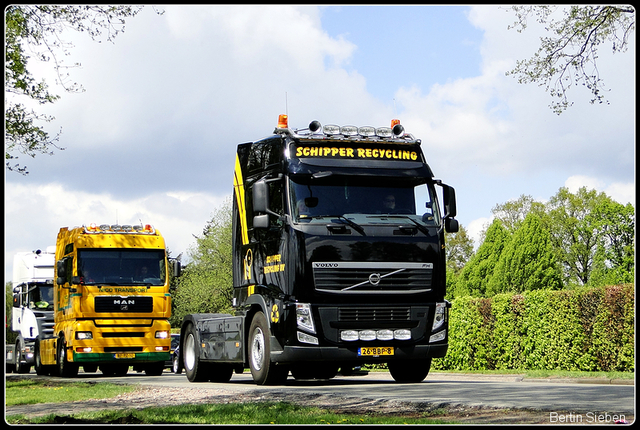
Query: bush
[588, 329]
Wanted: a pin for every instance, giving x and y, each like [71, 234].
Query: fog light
[402, 334]
[83, 349]
[305, 338]
[368, 335]
[438, 336]
[349, 335]
[384, 334]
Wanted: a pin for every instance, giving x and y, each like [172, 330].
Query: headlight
[84, 335]
[162, 334]
[440, 316]
[304, 318]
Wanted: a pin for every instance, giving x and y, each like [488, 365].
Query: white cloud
[620, 192]
[35, 213]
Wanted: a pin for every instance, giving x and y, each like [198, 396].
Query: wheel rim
[257, 349]
[189, 352]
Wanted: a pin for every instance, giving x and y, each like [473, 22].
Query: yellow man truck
[111, 302]
[338, 259]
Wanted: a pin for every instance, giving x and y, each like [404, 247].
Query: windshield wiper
[351, 223]
[420, 227]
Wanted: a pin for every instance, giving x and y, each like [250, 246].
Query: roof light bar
[316, 130]
[116, 228]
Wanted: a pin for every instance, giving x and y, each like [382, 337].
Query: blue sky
[153, 136]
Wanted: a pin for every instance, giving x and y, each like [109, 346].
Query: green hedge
[588, 329]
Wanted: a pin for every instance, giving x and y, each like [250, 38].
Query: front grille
[120, 304]
[374, 314]
[123, 334]
[372, 277]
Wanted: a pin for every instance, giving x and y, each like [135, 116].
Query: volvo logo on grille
[374, 279]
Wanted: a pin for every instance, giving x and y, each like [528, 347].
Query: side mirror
[176, 268]
[261, 221]
[449, 197]
[61, 269]
[261, 197]
[16, 300]
[451, 225]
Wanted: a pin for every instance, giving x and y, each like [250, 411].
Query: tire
[65, 368]
[196, 370]
[175, 365]
[409, 371]
[21, 367]
[38, 366]
[264, 371]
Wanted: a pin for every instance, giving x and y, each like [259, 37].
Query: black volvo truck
[338, 259]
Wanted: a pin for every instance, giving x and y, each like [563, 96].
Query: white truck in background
[32, 312]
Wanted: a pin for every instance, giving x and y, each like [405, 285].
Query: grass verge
[31, 391]
[231, 413]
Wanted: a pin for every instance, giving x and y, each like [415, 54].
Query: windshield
[365, 202]
[41, 297]
[121, 267]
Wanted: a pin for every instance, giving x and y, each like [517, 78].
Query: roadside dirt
[166, 396]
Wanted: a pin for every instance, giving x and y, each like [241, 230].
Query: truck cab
[338, 253]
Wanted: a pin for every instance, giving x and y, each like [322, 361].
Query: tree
[37, 30]
[476, 273]
[592, 233]
[206, 284]
[574, 232]
[528, 262]
[459, 249]
[569, 57]
[513, 212]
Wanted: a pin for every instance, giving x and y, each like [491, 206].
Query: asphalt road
[596, 396]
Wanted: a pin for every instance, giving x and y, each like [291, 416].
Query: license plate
[125, 355]
[375, 351]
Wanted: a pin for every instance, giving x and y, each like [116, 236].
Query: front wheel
[409, 371]
[40, 369]
[264, 371]
[21, 367]
[66, 369]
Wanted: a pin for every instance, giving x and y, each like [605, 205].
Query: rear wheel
[409, 371]
[196, 371]
[264, 371]
[175, 365]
